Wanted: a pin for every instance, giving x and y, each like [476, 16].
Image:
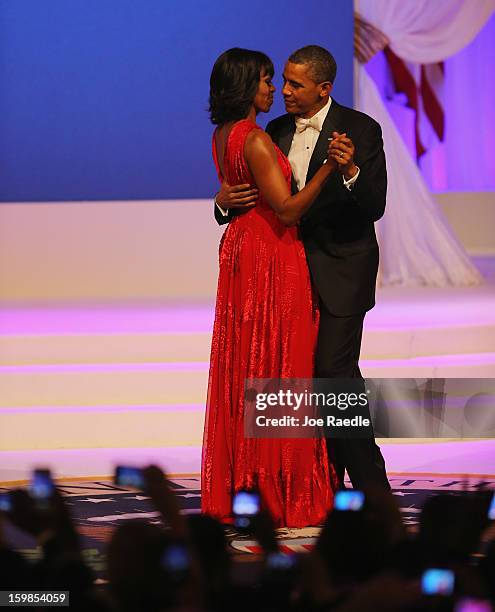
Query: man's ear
[326, 88]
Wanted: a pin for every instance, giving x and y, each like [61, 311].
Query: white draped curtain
[416, 243]
[426, 31]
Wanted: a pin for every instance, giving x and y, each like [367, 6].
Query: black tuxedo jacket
[338, 230]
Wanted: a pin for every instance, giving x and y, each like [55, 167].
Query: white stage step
[80, 406]
[101, 427]
[113, 347]
[182, 382]
[405, 324]
[103, 384]
[116, 375]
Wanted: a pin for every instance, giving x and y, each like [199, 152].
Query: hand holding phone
[349, 500]
[437, 582]
[126, 476]
[491, 510]
[42, 488]
[280, 562]
[245, 506]
[5, 502]
[176, 561]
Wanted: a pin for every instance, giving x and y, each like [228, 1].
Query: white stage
[85, 387]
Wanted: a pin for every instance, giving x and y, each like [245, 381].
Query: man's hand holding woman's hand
[239, 196]
[341, 153]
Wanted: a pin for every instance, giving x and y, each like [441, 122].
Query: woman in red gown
[266, 317]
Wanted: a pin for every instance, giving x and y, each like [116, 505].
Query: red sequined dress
[266, 323]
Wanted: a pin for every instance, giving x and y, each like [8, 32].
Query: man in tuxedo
[337, 231]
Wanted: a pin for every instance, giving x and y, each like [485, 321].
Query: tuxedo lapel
[331, 124]
[283, 140]
[286, 135]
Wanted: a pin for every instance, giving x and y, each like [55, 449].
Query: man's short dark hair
[234, 83]
[322, 63]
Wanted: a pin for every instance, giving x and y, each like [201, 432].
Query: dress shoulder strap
[234, 148]
[236, 168]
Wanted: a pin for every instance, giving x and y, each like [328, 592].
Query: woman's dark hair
[234, 82]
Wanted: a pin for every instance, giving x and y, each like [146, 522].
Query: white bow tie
[302, 124]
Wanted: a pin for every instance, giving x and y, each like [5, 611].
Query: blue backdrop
[106, 99]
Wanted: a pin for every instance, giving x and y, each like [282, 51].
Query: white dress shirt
[303, 145]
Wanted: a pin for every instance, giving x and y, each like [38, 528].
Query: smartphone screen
[176, 562]
[491, 510]
[42, 487]
[279, 561]
[126, 476]
[5, 502]
[245, 505]
[437, 582]
[349, 500]
[175, 558]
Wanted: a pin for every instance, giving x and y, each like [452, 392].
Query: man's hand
[342, 152]
[238, 196]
